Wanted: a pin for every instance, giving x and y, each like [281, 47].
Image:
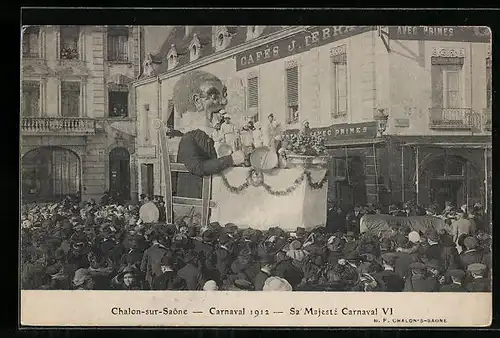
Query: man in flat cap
[418, 281]
[457, 277]
[388, 279]
[479, 283]
[199, 97]
[471, 255]
[462, 225]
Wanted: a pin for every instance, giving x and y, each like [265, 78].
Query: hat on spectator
[243, 284]
[432, 235]
[295, 245]
[478, 268]
[80, 277]
[470, 242]
[210, 285]
[275, 283]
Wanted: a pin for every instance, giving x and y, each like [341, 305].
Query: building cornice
[221, 55]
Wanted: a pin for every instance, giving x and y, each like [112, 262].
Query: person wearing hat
[471, 255]
[435, 269]
[335, 220]
[265, 262]
[479, 282]
[451, 259]
[275, 283]
[168, 279]
[295, 251]
[150, 263]
[285, 268]
[82, 280]
[418, 281]
[388, 279]
[272, 133]
[191, 271]
[462, 225]
[457, 277]
[127, 279]
[210, 285]
[434, 249]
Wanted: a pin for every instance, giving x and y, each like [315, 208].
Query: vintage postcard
[166, 168]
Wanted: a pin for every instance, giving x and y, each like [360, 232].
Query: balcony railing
[454, 118]
[487, 119]
[69, 126]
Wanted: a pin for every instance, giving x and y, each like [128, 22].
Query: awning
[349, 143]
[450, 145]
[126, 127]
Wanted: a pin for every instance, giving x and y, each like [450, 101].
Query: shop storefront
[356, 172]
[439, 169]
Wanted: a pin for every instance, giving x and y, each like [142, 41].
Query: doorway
[119, 173]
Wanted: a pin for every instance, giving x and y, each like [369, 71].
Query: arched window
[50, 173]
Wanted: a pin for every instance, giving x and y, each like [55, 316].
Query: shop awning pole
[402, 174]
[416, 172]
[486, 180]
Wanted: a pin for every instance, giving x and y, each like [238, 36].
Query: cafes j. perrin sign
[298, 43]
[344, 131]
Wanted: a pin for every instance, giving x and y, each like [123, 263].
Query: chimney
[188, 30]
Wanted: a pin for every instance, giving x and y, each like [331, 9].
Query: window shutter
[70, 103]
[292, 86]
[253, 92]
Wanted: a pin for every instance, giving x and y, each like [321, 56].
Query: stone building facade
[77, 117]
[390, 99]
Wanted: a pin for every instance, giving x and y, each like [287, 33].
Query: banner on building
[441, 33]
[344, 131]
[301, 42]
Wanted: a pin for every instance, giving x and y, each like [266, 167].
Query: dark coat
[287, 270]
[452, 288]
[389, 281]
[260, 280]
[191, 275]
[150, 264]
[197, 153]
[403, 261]
[421, 284]
[168, 281]
[479, 285]
[434, 252]
[470, 257]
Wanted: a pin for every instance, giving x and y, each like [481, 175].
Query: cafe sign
[440, 33]
[298, 43]
[344, 131]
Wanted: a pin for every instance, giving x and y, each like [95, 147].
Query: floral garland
[256, 179]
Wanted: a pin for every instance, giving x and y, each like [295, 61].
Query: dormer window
[172, 58]
[222, 38]
[194, 48]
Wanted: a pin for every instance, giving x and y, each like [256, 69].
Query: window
[172, 58]
[253, 92]
[220, 40]
[118, 101]
[488, 83]
[70, 99]
[31, 44]
[31, 98]
[339, 85]
[446, 77]
[118, 44]
[194, 52]
[452, 88]
[170, 113]
[69, 42]
[292, 94]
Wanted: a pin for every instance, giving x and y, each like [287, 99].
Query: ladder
[169, 167]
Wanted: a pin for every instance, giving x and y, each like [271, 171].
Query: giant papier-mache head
[200, 92]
